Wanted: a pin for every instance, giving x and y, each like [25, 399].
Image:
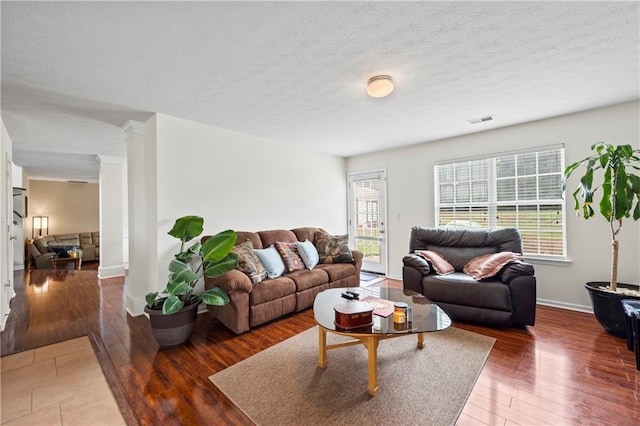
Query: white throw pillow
[271, 260]
[308, 253]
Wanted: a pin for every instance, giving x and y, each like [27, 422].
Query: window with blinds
[521, 190]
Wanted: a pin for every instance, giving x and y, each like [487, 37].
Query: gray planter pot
[607, 307]
[174, 329]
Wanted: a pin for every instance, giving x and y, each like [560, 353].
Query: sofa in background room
[42, 253]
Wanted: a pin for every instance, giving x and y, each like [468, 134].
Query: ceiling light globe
[379, 86]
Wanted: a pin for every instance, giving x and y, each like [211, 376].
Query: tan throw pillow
[333, 248]
[439, 263]
[289, 254]
[488, 265]
[249, 263]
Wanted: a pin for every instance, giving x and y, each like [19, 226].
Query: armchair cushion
[488, 265]
[308, 253]
[289, 254]
[333, 248]
[271, 260]
[249, 263]
[439, 263]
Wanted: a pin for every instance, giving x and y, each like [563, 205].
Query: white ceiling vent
[480, 120]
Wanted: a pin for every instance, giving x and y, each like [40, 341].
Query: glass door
[367, 219]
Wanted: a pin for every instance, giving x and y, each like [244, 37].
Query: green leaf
[172, 305]
[625, 151]
[187, 227]
[605, 201]
[181, 272]
[215, 296]
[622, 205]
[576, 204]
[635, 183]
[636, 211]
[185, 256]
[218, 269]
[178, 287]
[151, 299]
[586, 181]
[218, 246]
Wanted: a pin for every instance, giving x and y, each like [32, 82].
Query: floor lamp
[39, 223]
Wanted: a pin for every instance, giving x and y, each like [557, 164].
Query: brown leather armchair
[507, 299]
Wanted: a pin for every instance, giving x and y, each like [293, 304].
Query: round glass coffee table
[426, 317]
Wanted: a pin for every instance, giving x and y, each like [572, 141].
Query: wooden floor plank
[565, 370]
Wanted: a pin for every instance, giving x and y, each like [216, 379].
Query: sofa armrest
[88, 252]
[515, 269]
[523, 299]
[357, 261]
[230, 282]
[417, 262]
[357, 256]
[44, 261]
[413, 271]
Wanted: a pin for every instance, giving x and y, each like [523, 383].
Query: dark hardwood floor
[565, 370]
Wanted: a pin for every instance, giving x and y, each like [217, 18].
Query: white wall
[17, 222]
[112, 208]
[235, 181]
[410, 194]
[6, 213]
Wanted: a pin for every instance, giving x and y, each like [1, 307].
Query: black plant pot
[607, 307]
[173, 329]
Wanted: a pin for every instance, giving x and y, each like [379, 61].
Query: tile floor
[59, 384]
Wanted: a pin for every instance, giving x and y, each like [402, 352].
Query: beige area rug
[283, 385]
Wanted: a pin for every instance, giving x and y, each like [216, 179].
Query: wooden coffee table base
[369, 341]
[59, 260]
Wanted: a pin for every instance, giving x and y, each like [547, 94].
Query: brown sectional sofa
[89, 242]
[252, 305]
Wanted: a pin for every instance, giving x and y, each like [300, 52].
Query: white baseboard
[394, 277]
[564, 305]
[134, 306]
[110, 271]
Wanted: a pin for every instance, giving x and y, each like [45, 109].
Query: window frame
[492, 204]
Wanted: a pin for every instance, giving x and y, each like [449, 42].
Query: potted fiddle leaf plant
[610, 171]
[174, 311]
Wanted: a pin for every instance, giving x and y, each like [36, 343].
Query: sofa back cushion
[85, 239]
[68, 239]
[251, 236]
[459, 246]
[270, 237]
[307, 233]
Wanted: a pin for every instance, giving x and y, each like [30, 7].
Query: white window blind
[521, 190]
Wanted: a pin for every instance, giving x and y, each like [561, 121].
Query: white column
[141, 251]
[111, 211]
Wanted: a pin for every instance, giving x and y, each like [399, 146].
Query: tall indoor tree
[610, 171]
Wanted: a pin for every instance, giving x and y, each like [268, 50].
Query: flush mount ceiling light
[379, 86]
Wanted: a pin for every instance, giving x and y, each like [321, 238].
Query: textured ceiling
[74, 72]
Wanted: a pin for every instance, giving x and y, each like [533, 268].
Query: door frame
[384, 245]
